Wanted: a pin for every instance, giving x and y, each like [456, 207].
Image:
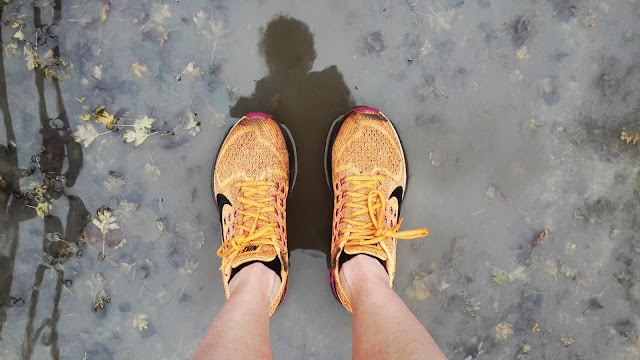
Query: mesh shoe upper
[368, 174]
[250, 184]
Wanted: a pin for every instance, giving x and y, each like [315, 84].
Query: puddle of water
[511, 115]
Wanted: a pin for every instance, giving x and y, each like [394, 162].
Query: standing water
[520, 121]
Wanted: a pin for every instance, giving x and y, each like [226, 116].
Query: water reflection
[44, 182]
[307, 102]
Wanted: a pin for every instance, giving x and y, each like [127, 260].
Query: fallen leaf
[426, 48]
[161, 226]
[220, 119]
[503, 331]
[97, 72]
[85, 134]
[114, 183]
[500, 276]
[152, 172]
[566, 341]
[19, 35]
[11, 49]
[160, 13]
[536, 329]
[193, 126]
[140, 132]
[120, 244]
[441, 22]
[43, 209]
[33, 60]
[141, 322]
[191, 70]
[418, 290]
[139, 70]
[189, 267]
[632, 138]
[522, 53]
[541, 237]
[103, 12]
[126, 209]
[104, 117]
[106, 221]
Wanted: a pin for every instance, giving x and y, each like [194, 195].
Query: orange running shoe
[368, 177]
[254, 172]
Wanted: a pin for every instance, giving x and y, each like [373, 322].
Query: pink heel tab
[258, 115]
[366, 110]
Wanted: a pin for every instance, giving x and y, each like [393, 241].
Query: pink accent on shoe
[366, 110]
[257, 115]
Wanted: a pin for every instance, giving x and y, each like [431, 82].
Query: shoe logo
[397, 193]
[250, 248]
[222, 200]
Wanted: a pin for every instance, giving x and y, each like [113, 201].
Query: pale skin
[383, 326]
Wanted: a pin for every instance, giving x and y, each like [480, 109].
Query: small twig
[477, 212]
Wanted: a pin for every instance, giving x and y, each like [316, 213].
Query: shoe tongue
[373, 250]
[264, 253]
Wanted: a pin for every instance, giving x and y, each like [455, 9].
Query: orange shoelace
[255, 203]
[369, 201]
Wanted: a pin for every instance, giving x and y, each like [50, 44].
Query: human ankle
[362, 271]
[255, 280]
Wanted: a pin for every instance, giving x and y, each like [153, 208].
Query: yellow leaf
[503, 331]
[632, 138]
[139, 70]
[104, 117]
[103, 13]
[85, 117]
[43, 209]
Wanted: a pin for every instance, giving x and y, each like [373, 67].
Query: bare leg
[383, 326]
[240, 330]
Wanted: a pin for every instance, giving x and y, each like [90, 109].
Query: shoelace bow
[374, 231]
[252, 210]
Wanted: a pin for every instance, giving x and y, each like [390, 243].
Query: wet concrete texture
[520, 121]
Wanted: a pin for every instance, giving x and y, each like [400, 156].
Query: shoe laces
[367, 199]
[255, 228]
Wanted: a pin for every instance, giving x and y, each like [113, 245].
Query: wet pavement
[521, 123]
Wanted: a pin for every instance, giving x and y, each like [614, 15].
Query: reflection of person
[306, 102]
[251, 182]
[58, 151]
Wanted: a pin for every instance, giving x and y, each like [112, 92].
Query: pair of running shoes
[256, 169]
